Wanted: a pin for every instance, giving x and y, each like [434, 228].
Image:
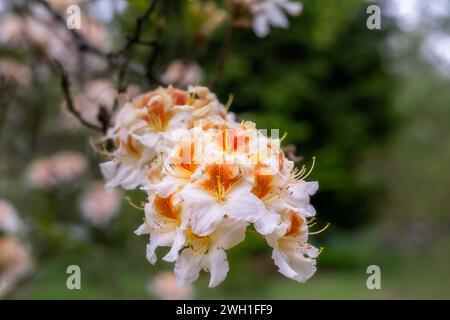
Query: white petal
[157, 240]
[277, 18]
[202, 209]
[149, 139]
[293, 8]
[114, 173]
[217, 265]
[229, 233]
[108, 169]
[193, 195]
[135, 178]
[308, 212]
[308, 188]
[181, 119]
[304, 267]
[204, 220]
[282, 264]
[260, 26]
[297, 195]
[267, 223]
[143, 229]
[244, 205]
[178, 244]
[164, 188]
[187, 267]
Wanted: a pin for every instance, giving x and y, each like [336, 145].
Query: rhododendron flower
[164, 286]
[9, 219]
[98, 205]
[292, 254]
[15, 263]
[163, 223]
[208, 253]
[208, 178]
[145, 127]
[182, 74]
[60, 168]
[220, 192]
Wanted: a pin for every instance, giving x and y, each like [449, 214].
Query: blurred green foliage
[323, 82]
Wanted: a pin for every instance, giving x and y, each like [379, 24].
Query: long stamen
[229, 102]
[320, 251]
[311, 225]
[311, 169]
[321, 230]
[133, 204]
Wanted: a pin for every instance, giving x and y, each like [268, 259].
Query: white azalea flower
[294, 257]
[149, 126]
[297, 197]
[208, 253]
[268, 13]
[163, 223]
[219, 193]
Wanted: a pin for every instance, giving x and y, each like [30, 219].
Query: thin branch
[65, 84]
[136, 36]
[226, 48]
[121, 88]
[84, 45]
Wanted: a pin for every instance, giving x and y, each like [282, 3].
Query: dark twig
[84, 45]
[65, 84]
[226, 48]
[136, 36]
[121, 88]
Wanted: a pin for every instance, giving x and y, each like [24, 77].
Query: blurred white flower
[12, 28]
[60, 168]
[267, 13]
[9, 219]
[39, 29]
[15, 264]
[61, 5]
[164, 286]
[98, 205]
[182, 74]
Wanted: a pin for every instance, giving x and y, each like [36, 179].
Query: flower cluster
[59, 169]
[208, 178]
[15, 259]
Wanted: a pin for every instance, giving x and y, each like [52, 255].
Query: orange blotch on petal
[296, 224]
[166, 208]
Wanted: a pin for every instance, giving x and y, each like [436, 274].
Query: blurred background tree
[372, 106]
